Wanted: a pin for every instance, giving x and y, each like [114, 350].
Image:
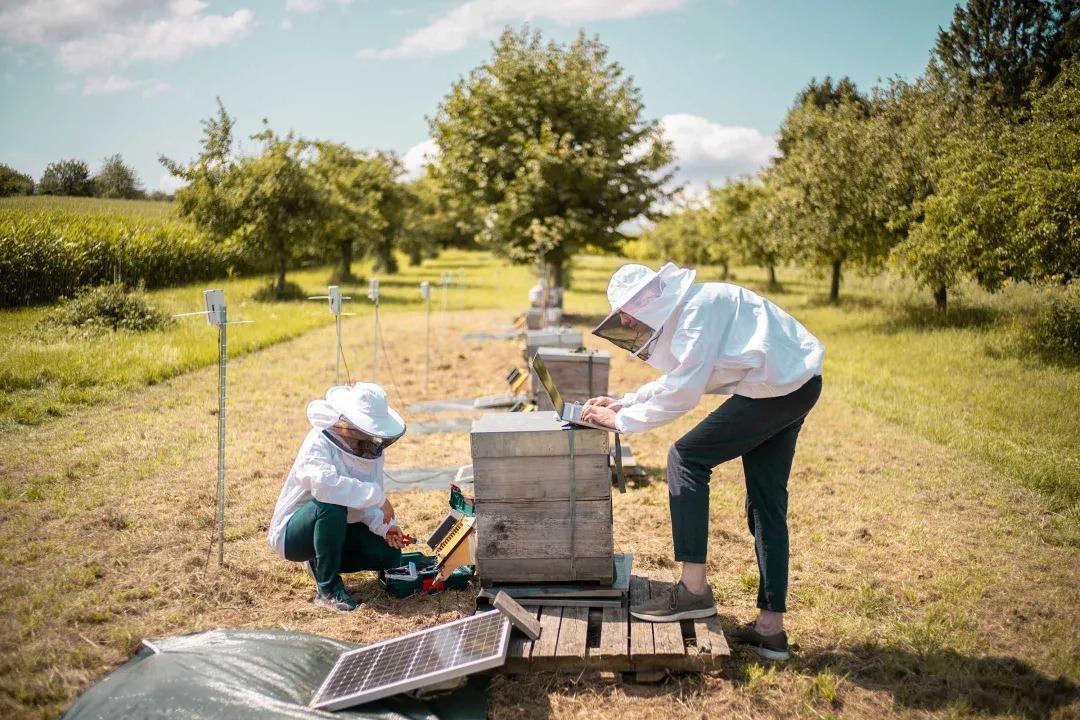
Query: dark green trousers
[319, 531]
[763, 433]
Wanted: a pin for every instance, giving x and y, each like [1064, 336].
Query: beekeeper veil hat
[648, 298]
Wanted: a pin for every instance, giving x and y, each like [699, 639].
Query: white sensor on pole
[215, 306]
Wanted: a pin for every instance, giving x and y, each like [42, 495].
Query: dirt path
[921, 583]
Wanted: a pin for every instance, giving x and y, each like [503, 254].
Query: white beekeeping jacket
[326, 472]
[719, 339]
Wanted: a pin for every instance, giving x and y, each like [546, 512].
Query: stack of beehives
[543, 500]
[563, 337]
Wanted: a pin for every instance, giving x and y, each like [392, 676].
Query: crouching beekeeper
[720, 339]
[332, 513]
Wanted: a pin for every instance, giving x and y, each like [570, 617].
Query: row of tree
[115, 179]
[541, 152]
[972, 170]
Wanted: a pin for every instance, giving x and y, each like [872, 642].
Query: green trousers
[319, 531]
[763, 433]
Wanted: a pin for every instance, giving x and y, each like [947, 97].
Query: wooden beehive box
[526, 497]
[578, 374]
[535, 318]
[551, 337]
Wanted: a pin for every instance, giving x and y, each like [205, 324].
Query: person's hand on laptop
[602, 401]
[597, 414]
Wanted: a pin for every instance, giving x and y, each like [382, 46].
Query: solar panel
[419, 659]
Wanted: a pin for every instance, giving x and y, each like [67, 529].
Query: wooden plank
[550, 618]
[519, 616]
[573, 633]
[531, 435]
[541, 529]
[641, 632]
[710, 638]
[667, 636]
[541, 477]
[520, 647]
[614, 650]
[543, 569]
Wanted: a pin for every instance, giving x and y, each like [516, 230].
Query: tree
[277, 201]
[13, 182]
[362, 204]
[1001, 48]
[820, 95]
[431, 220]
[205, 198]
[743, 216]
[116, 179]
[65, 177]
[825, 181]
[548, 150]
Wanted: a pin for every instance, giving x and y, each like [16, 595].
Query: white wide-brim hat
[366, 407]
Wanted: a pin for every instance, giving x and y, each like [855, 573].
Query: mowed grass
[46, 372]
[920, 583]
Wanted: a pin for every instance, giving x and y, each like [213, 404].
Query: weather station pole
[425, 293]
[373, 295]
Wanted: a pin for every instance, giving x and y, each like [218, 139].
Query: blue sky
[89, 79]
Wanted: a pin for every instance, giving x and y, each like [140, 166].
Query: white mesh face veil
[642, 301]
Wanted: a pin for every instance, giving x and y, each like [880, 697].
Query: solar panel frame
[494, 657]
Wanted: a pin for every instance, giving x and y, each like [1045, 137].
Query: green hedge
[48, 254]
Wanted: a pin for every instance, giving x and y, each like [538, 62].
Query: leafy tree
[547, 148]
[65, 177]
[746, 220]
[1000, 48]
[430, 220]
[205, 198]
[821, 95]
[826, 182]
[277, 201]
[13, 182]
[363, 204]
[117, 179]
[687, 236]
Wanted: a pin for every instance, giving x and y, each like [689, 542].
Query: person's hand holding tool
[387, 511]
[396, 537]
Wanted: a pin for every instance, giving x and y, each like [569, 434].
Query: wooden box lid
[516, 434]
[555, 337]
[565, 354]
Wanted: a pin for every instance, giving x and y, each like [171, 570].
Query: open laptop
[567, 412]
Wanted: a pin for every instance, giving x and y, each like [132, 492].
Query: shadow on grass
[941, 679]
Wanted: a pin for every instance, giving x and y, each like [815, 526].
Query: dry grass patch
[920, 585]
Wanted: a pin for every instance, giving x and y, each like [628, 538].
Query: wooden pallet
[576, 639]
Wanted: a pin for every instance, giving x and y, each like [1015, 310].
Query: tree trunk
[416, 255]
[384, 258]
[772, 276]
[345, 268]
[834, 288]
[724, 270]
[941, 298]
[279, 282]
[555, 273]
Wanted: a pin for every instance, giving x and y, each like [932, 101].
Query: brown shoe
[678, 604]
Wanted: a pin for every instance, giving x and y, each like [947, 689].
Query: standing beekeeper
[719, 339]
[332, 513]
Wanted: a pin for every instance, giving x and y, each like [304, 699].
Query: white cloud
[309, 6]
[89, 34]
[286, 24]
[418, 157]
[708, 152]
[169, 183]
[484, 19]
[112, 84]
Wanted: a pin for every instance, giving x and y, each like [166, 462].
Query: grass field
[89, 206]
[935, 567]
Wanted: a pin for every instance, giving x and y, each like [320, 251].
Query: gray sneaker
[677, 604]
[337, 599]
[770, 647]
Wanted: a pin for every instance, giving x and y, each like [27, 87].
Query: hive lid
[565, 354]
[531, 434]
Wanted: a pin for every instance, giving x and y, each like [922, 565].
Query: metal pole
[375, 348]
[337, 352]
[223, 357]
[427, 347]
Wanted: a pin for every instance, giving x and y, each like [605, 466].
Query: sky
[86, 79]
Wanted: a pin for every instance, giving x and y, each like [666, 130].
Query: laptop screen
[545, 379]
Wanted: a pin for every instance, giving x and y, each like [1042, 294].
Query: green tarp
[235, 674]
